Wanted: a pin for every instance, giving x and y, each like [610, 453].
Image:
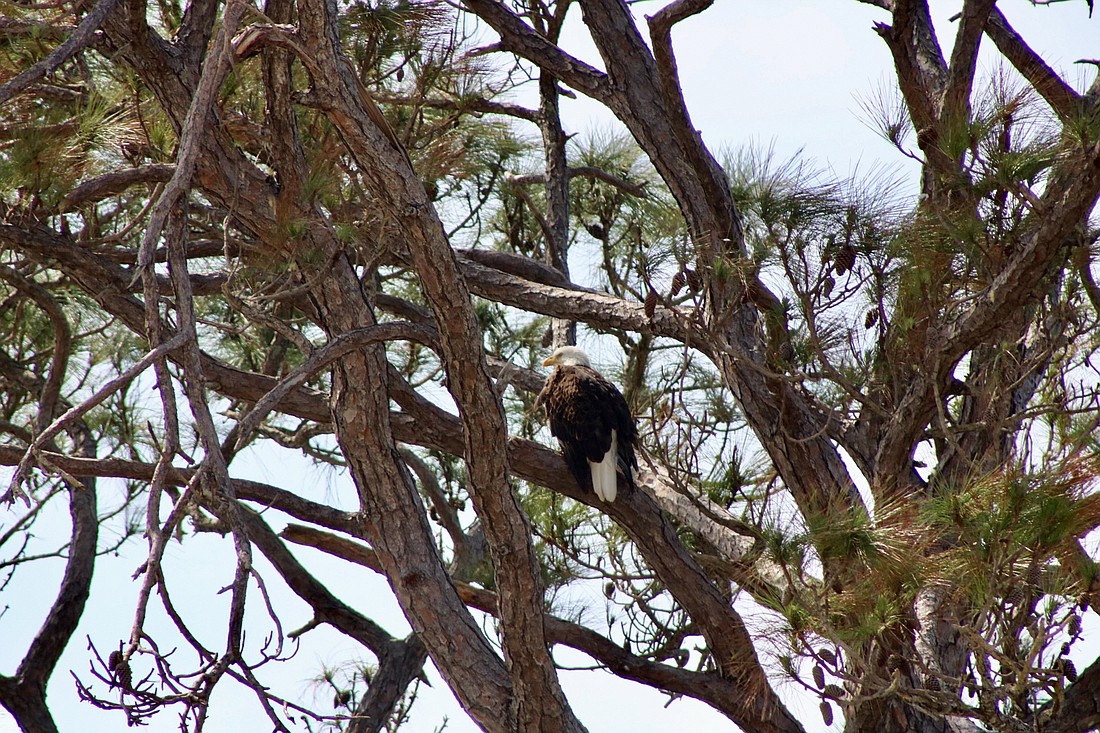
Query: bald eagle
[591, 421]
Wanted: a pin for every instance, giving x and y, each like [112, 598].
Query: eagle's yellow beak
[550, 360]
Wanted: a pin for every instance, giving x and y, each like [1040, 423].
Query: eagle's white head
[568, 356]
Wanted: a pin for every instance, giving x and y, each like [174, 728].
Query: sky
[774, 73]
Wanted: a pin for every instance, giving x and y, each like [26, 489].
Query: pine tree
[330, 235]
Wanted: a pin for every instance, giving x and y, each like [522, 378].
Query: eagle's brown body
[592, 422]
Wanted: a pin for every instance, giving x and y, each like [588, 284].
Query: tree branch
[523, 40]
[73, 44]
[1061, 97]
[114, 183]
[955, 105]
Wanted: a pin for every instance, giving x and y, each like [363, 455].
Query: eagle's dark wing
[583, 408]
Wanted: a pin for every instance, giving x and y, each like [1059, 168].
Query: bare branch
[1059, 95]
[114, 183]
[78, 411]
[587, 171]
[955, 104]
[461, 105]
[72, 45]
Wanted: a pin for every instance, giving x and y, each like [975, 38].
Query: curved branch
[399, 662]
[114, 183]
[63, 338]
[74, 43]
[336, 348]
[523, 40]
[24, 695]
[1061, 97]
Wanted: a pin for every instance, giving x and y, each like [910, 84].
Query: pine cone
[120, 669]
[678, 281]
[826, 712]
[650, 303]
[694, 280]
[845, 259]
[1035, 575]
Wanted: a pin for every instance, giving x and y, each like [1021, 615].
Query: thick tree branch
[24, 695]
[921, 72]
[588, 171]
[462, 105]
[955, 105]
[537, 701]
[399, 662]
[72, 45]
[1061, 97]
[114, 183]
[523, 40]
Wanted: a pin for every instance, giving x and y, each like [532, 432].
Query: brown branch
[321, 358]
[668, 76]
[76, 412]
[479, 105]
[326, 607]
[445, 514]
[403, 539]
[596, 309]
[264, 495]
[1061, 97]
[921, 72]
[194, 129]
[523, 40]
[114, 183]
[555, 180]
[78, 40]
[24, 695]
[12, 27]
[399, 662]
[544, 225]
[955, 105]
[514, 264]
[51, 388]
[588, 171]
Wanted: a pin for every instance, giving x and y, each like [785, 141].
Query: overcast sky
[771, 72]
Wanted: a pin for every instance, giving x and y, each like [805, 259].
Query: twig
[322, 357]
[77, 411]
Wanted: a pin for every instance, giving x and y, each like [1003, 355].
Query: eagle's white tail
[604, 481]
